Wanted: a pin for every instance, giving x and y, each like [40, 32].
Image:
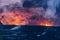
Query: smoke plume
[12, 12]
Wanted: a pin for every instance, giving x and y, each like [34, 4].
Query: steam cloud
[51, 10]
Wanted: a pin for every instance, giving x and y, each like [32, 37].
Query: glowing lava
[46, 23]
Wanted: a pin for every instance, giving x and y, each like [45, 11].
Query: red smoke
[18, 17]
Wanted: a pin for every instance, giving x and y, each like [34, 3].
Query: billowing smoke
[11, 2]
[51, 10]
[17, 14]
[7, 5]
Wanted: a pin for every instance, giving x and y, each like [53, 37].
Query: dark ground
[29, 33]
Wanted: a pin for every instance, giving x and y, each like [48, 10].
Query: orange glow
[46, 23]
[18, 17]
[13, 18]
